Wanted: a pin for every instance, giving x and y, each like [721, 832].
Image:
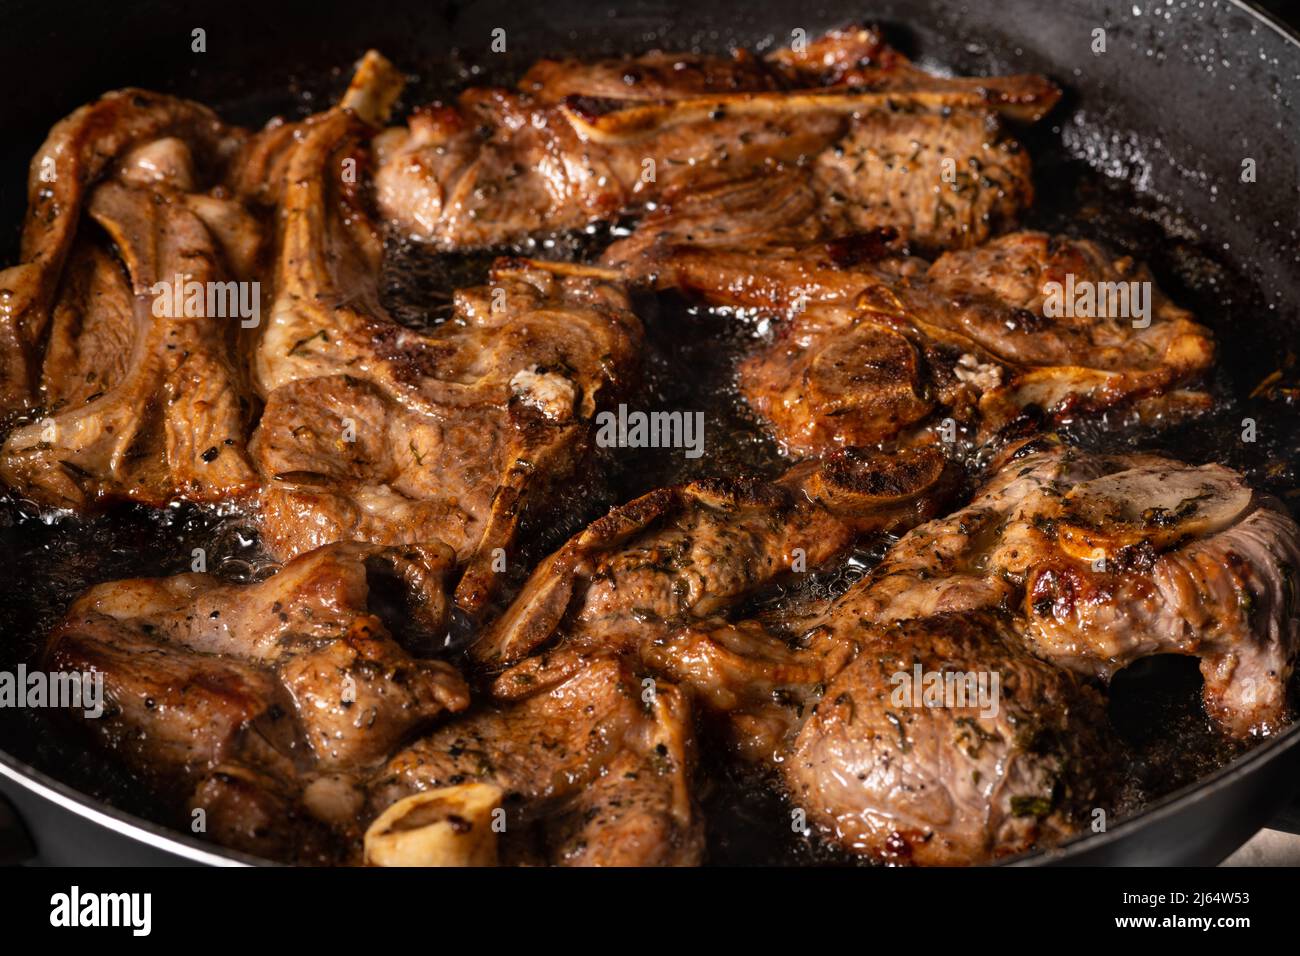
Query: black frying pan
[1184, 93]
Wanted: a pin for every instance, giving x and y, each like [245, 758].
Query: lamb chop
[295, 713]
[1108, 559]
[583, 143]
[590, 769]
[810, 691]
[373, 431]
[539, 170]
[274, 694]
[370, 431]
[877, 347]
[126, 399]
[695, 550]
[928, 780]
[80, 150]
[655, 580]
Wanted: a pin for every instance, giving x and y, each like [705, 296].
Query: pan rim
[1288, 33]
[101, 813]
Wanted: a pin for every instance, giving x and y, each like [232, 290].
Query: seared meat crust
[281, 690]
[596, 768]
[876, 348]
[657, 580]
[1108, 559]
[137, 402]
[587, 143]
[901, 780]
[693, 552]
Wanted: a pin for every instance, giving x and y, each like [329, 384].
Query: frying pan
[1183, 94]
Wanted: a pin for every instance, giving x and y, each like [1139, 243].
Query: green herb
[1031, 806]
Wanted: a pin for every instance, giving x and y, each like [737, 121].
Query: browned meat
[936, 181]
[540, 171]
[586, 143]
[1112, 558]
[168, 709]
[452, 433]
[1017, 272]
[838, 372]
[860, 59]
[655, 580]
[312, 819]
[376, 432]
[657, 75]
[136, 401]
[80, 150]
[779, 208]
[293, 680]
[91, 328]
[752, 678]
[851, 58]
[940, 181]
[694, 551]
[943, 780]
[595, 768]
[308, 631]
[876, 349]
